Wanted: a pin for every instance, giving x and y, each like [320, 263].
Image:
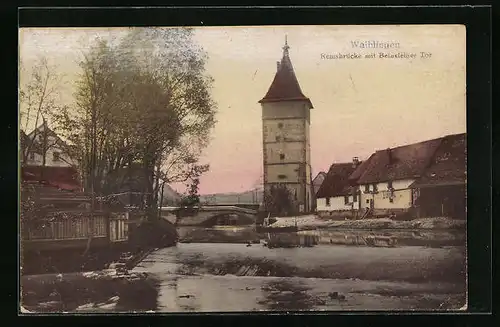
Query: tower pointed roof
[285, 86]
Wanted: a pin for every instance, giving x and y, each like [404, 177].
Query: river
[421, 271]
[427, 274]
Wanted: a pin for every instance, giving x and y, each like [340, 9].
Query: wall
[336, 204]
[401, 200]
[290, 130]
[64, 161]
[285, 109]
[290, 173]
[293, 151]
[286, 131]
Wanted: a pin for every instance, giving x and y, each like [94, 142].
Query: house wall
[336, 204]
[402, 195]
[64, 160]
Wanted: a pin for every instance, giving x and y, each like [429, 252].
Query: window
[282, 176]
[278, 138]
[355, 198]
[280, 125]
[346, 199]
[55, 156]
[367, 200]
[389, 185]
[391, 199]
[327, 202]
[282, 156]
[32, 155]
[375, 189]
[367, 188]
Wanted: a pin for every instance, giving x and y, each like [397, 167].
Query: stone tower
[285, 127]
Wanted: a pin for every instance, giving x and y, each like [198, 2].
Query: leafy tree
[192, 198]
[278, 201]
[144, 100]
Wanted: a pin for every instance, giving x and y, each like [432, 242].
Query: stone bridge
[208, 216]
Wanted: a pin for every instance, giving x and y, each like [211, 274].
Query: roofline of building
[424, 141]
[265, 100]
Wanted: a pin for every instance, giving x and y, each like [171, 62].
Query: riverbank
[87, 291]
[309, 222]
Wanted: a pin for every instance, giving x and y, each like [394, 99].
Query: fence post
[107, 221]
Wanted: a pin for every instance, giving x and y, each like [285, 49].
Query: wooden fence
[66, 229]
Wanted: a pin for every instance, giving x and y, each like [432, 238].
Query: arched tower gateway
[285, 127]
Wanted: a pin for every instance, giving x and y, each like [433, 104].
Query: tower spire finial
[286, 47]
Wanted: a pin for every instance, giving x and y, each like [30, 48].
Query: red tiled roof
[337, 182]
[285, 86]
[65, 178]
[448, 166]
[403, 162]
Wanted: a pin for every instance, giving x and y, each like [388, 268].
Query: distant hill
[248, 197]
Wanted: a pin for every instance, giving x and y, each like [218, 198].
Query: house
[43, 147]
[441, 190]
[387, 180]
[338, 195]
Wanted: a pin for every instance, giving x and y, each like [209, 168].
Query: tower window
[282, 156]
[280, 125]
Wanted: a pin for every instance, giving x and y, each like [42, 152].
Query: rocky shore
[88, 291]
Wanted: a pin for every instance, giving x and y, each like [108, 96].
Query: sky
[360, 105]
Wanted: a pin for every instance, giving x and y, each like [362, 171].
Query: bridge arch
[212, 215]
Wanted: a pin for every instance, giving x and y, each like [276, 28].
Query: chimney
[355, 162]
[277, 65]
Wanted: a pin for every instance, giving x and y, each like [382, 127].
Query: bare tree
[38, 101]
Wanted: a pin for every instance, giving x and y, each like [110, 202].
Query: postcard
[243, 168]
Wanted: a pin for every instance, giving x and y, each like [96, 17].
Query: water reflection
[282, 295]
[370, 238]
